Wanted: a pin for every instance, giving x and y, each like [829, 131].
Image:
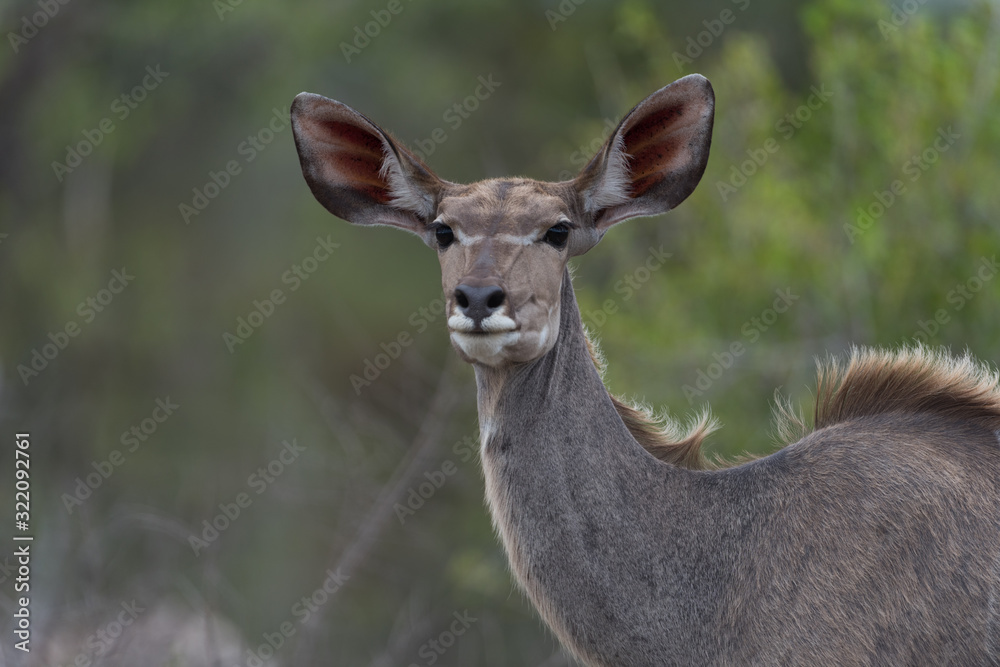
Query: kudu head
[503, 244]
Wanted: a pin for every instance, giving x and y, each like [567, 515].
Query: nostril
[461, 299]
[479, 301]
[495, 299]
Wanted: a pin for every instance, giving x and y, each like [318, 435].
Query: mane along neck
[869, 382]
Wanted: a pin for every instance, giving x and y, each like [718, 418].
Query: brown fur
[911, 380]
[663, 437]
[872, 382]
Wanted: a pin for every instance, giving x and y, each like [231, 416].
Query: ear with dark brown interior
[357, 171]
[655, 157]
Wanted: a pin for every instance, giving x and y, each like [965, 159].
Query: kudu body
[875, 539]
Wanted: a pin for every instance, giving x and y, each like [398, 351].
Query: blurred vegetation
[823, 109]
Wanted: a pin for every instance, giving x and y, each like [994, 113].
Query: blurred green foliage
[821, 108]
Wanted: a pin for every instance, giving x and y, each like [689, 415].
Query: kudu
[872, 540]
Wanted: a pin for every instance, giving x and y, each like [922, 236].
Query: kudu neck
[560, 388]
[569, 489]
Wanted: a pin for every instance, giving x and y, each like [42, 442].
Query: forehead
[503, 206]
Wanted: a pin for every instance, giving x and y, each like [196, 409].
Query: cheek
[539, 335]
[535, 292]
[536, 277]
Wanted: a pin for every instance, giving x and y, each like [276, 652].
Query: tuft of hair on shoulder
[872, 381]
[913, 379]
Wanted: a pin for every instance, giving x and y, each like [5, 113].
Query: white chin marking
[486, 348]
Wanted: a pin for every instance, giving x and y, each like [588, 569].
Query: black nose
[478, 303]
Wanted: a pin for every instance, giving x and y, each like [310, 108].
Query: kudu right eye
[557, 236]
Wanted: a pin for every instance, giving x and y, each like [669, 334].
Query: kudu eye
[445, 237]
[557, 235]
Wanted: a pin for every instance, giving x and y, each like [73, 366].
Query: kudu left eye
[557, 235]
[445, 236]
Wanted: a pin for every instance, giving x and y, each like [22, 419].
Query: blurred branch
[405, 633]
[419, 458]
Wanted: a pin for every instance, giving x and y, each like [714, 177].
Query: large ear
[357, 171]
[655, 157]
